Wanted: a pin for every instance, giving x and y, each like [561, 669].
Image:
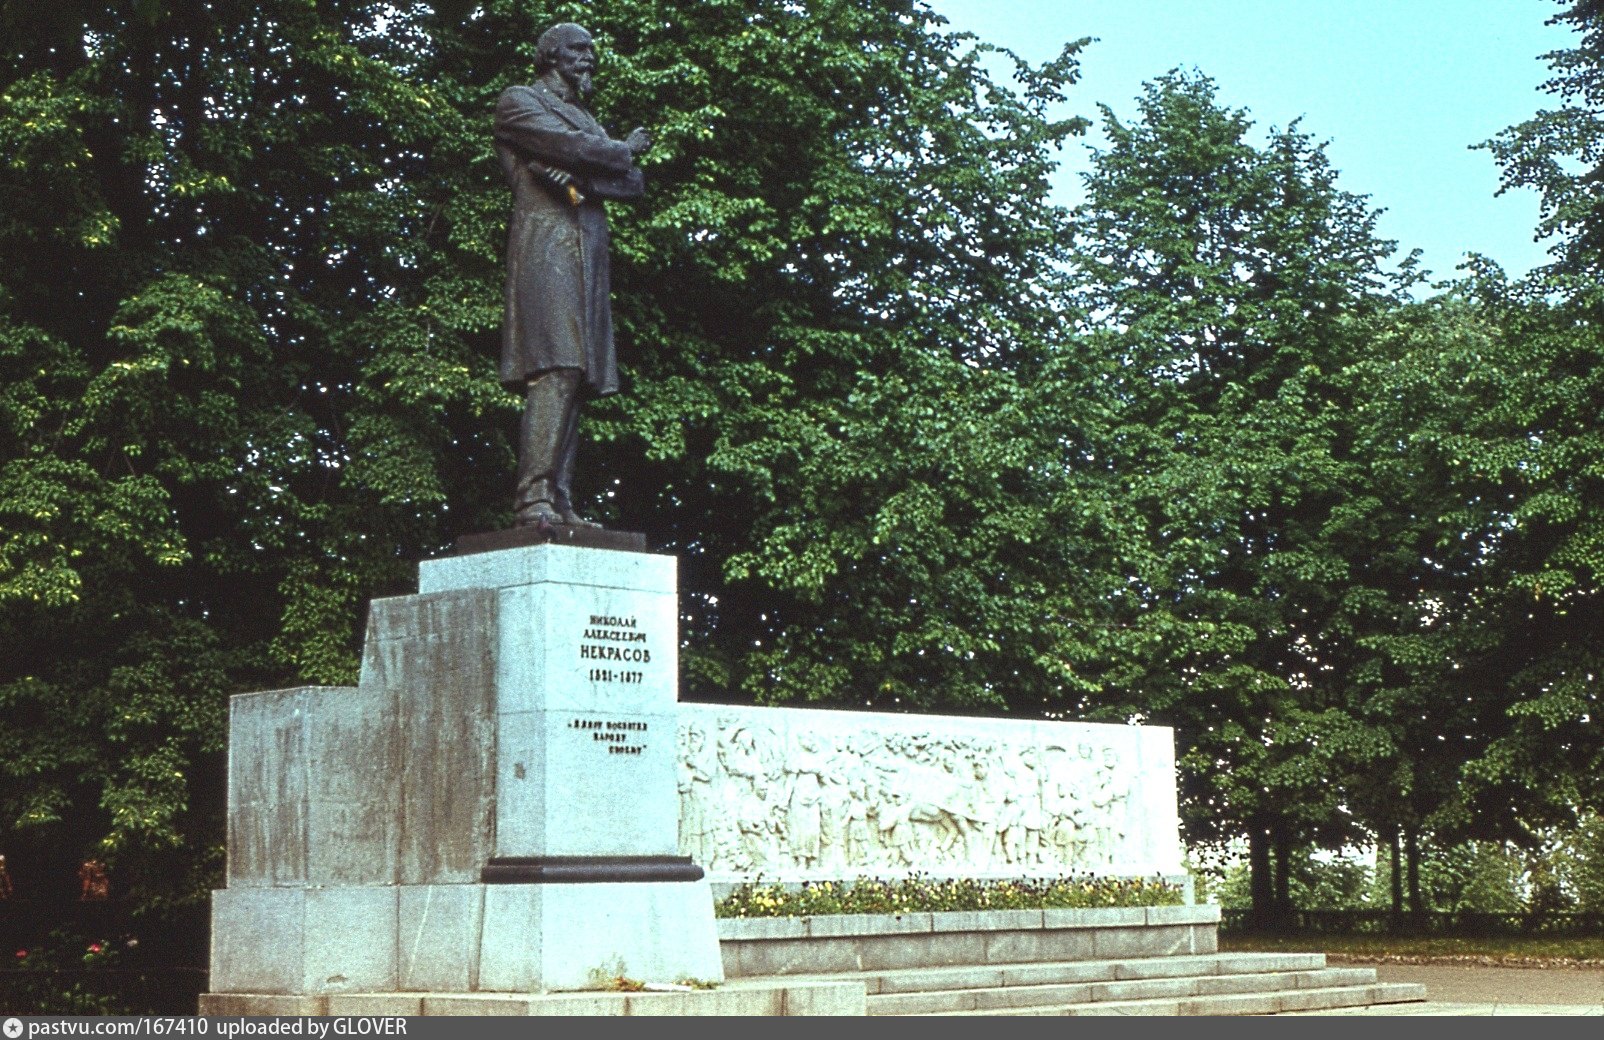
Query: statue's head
[568, 49]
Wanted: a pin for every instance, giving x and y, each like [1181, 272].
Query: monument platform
[492, 809]
[510, 812]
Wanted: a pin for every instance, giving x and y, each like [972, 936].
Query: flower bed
[918, 894]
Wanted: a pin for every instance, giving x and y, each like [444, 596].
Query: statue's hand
[638, 140]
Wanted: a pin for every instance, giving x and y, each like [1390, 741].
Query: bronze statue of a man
[557, 336]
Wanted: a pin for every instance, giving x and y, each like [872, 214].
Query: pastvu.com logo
[13, 1028]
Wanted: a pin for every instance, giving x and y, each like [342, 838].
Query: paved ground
[1454, 990]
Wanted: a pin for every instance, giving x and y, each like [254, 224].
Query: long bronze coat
[557, 309]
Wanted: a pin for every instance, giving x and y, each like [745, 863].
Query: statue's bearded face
[575, 61]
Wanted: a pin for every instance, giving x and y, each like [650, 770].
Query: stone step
[1227, 1003]
[992, 976]
[1150, 988]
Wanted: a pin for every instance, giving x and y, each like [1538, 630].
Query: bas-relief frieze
[787, 794]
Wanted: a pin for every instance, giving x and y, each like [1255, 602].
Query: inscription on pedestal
[614, 639]
[619, 736]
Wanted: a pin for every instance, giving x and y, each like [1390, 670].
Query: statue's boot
[567, 452]
[550, 397]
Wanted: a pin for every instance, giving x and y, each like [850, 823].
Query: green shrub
[65, 975]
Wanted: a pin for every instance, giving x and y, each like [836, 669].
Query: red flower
[94, 947]
[22, 953]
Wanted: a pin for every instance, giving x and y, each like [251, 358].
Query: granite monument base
[518, 938]
[491, 809]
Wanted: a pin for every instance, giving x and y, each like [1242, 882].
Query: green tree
[1421, 648]
[1483, 432]
[203, 214]
[250, 263]
[1454, 440]
[1541, 444]
[1231, 283]
[1556, 152]
[1474, 876]
[836, 301]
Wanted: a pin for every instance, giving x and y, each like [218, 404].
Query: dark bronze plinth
[555, 534]
[571, 870]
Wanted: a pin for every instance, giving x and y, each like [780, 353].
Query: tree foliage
[251, 261]
[1229, 284]
[920, 438]
[1541, 444]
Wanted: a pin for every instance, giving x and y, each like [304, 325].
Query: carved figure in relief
[1065, 798]
[695, 797]
[879, 767]
[725, 847]
[804, 795]
[1062, 838]
[856, 849]
[1111, 803]
[986, 800]
[1031, 818]
[836, 804]
[1009, 832]
[895, 828]
[836, 777]
[1062, 808]
[933, 800]
[967, 806]
[739, 757]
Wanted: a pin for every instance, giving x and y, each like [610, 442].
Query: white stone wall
[789, 794]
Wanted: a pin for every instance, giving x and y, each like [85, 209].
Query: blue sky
[1399, 88]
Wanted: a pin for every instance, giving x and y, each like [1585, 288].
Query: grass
[1584, 951]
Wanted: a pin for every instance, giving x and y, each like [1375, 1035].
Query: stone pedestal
[492, 809]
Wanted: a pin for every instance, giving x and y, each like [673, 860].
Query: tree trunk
[1397, 882]
[1417, 905]
[1282, 843]
[1260, 882]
